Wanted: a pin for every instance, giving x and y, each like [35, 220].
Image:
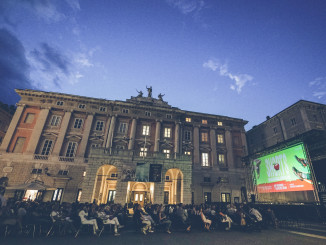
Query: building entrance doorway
[139, 197]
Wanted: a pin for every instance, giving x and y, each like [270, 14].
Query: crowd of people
[48, 218]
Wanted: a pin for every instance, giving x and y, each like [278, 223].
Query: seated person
[225, 219]
[163, 220]
[206, 221]
[108, 218]
[183, 215]
[83, 214]
[140, 219]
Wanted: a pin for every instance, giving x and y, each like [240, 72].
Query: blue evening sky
[238, 58]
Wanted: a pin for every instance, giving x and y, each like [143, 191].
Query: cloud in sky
[14, 67]
[239, 80]
[187, 6]
[319, 87]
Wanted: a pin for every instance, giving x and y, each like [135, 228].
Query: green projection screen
[286, 170]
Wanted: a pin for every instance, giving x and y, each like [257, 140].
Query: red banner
[281, 186]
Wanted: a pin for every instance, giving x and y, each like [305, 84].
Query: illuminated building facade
[141, 150]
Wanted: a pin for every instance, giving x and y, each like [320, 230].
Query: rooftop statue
[140, 93]
[160, 96]
[149, 90]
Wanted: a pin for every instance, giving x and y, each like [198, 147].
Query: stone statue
[149, 90]
[160, 96]
[140, 93]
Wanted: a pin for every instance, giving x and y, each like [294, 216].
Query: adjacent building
[303, 122]
[62, 147]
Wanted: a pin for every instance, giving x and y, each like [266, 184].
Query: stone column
[244, 143]
[11, 129]
[89, 183]
[157, 136]
[62, 133]
[196, 145]
[86, 132]
[285, 137]
[106, 133]
[229, 148]
[177, 139]
[213, 146]
[132, 134]
[111, 132]
[37, 131]
[158, 193]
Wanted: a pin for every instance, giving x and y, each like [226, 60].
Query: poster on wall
[155, 173]
[142, 171]
[283, 171]
[128, 174]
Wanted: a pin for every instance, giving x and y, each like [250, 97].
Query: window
[29, 118]
[55, 120]
[293, 122]
[95, 145]
[221, 159]
[71, 149]
[36, 171]
[225, 197]
[123, 128]
[111, 196]
[188, 153]
[120, 147]
[63, 172]
[19, 145]
[168, 116]
[166, 197]
[204, 137]
[204, 159]
[220, 139]
[79, 193]
[167, 153]
[81, 106]
[207, 179]
[207, 197]
[78, 123]
[147, 113]
[84, 173]
[143, 152]
[46, 147]
[145, 130]
[188, 119]
[219, 123]
[167, 177]
[275, 130]
[99, 125]
[187, 135]
[125, 111]
[167, 132]
[102, 108]
[204, 121]
[114, 175]
[60, 103]
[57, 195]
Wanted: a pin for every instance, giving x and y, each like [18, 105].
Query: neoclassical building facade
[67, 148]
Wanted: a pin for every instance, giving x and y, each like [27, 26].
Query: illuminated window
[204, 159]
[123, 128]
[111, 195]
[71, 149]
[29, 118]
[188, 153]
[78, 123]
[187, 135]
[141, 197]
[167, 153]
[225, 197]
[136, 197]
[55, 120]
[30, 195]
[84, 173]
[204, 136]
[219, 123]
[145, 130]
[81, 106]
[208, 197]
[220, 139]
[46, 147]
[57, 194]
[167, 132]
[143, 152]
[204, 121]
[188, 119]
[221, 159]
[99, 125]
[79, 193]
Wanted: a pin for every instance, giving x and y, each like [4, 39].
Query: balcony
[66, 159]
[41, 157]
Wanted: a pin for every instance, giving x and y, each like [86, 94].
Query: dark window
[293, 122]
[187, 135]
[207, 179]
[46, 147]
[78, 123]
[166, 197]
[275, 130]
[36, 171]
